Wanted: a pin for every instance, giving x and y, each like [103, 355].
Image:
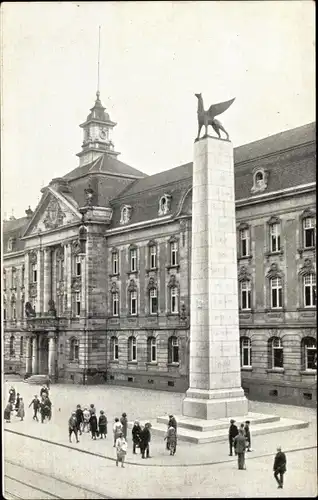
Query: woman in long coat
[12, 395]
[7, 413]
[21, 411]
[124, 423]
[93, 425]
[171, 438]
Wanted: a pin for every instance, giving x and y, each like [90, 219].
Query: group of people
[86, 421]
[42, 405]
[15, 403]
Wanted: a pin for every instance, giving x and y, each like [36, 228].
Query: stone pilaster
[84, 281]
[68, 277]
[39, 297]
[47, 272]
[27, 276]
[35, 366]
[52, 356]
[28, 355]
[215, 376]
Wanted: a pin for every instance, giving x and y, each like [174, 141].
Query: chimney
[29, 212]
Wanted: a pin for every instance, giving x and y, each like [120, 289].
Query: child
[86, 415]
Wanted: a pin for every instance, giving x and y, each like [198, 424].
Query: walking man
[233, 432]
[145, 438]
[72, 427]
[248, 435]
[36, 406]
[240, 446]
[279, 467]
[124, 423]
[102, 425]
[79, 419]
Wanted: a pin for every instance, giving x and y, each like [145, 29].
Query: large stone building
[96, 281]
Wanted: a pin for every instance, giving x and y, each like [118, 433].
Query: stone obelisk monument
[215, 377]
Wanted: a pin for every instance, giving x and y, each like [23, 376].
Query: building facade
[96, 282]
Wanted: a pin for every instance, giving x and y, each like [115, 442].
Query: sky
[154, 57]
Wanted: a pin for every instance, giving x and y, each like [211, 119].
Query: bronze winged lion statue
[207, 118]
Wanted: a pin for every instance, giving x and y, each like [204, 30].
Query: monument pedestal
[214, 404]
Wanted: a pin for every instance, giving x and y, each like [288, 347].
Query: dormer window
[125, 214]
[11, 244]
[164, 204]
[260, 177]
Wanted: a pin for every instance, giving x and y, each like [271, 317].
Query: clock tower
[97, 134]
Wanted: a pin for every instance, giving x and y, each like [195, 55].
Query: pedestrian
[72, 427]
[280, 467]
[117, 428]
[124, 423]
[7, 413]
[121, 449]
[46, 408]
[12, 395]
[17, 402]
[86, 415]
[172, 422]
[93, 425]
[102, 425]
[240, 446]
[171, 438]
[44, 391]
[92, 409]
[136, 430]
[233, 432]
[247, 433]
[79, 419]
[36, 406]
[21, 412]
[145, 438]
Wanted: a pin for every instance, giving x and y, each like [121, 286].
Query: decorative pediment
[172, 281]
[308, 212]
[273, 220]
[243, 274]
[114, 287]
[114, 250]
[152, 243]
[307, 268]
[274, 271]
[132, 287]
[53, 211]
[173, 239]
[242, 226]
[151, 284]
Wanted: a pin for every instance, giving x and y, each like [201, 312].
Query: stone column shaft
[47, 270]
[39, 297]
[27, 276]
[35, 366]
[28, 355]
[68, 277]
[52, 356]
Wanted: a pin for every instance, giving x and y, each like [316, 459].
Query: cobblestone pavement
[196, 470]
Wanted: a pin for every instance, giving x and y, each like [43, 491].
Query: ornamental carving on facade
[125, 214]
[260, 180]
[33, 290]
[307, 268]
[114, 288]
[242, 226]
[76, 284]
[164, 204]
[274, 271]
[308, 212]
[183, 311]
[60, 253]
[33, 257]
[172, 281]
[76, 247]
[60, 289]
[243, 274]
[151, 284]
[13, 298]
[54, 215]
[29, 311]
[273, 220]
[132, 287]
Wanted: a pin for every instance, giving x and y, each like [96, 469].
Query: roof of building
[14, 229]
[105, 164]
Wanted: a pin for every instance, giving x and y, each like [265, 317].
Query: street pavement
[196, 470]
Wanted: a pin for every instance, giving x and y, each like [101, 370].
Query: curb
[149, 464]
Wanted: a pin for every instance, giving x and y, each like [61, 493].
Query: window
[115, 299]
[60, 270]
[153, 301]
[77, 304]
[4, 280]
[245, 295]
[125, 214]
[78, 266]
[246, 352]
[114, 348]
[132, 349]
[174, 253]
[115, 266]
[276, 293]
[21, 346]
[14, 277]
[275, 237]
[4, 314]
[310, 299]
[276, 353]
[153, 256]
[133, 260]
[164, 204]
[244, 242]
[309, 227]
[174, 300]
[11, 346]
[152, 350]
[34, 271]
[74, 350]
[173, 350]
[259, 178]
[133, 303]
[309, 353]
[22, 276]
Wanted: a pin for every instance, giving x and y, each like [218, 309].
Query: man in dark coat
[247, 433]
[46, 408]
[12, 395]
[233, 432]
[79, 418]
[17, 403]
[145, 438]
[240, 447]
[72, 427]
[279, 467]
[93, 425]
[136, 431]
[102, 425]
[36, 407]
[124, 423]
[44, 391]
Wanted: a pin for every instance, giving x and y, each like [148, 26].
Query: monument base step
[199, 431]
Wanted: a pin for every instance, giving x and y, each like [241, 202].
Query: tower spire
[98, 61]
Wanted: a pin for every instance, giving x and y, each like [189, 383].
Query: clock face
[102, 133]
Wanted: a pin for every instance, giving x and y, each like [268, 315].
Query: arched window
[246, 352]
[114, 348]
[260, 177]
[309, 283]
[245, 295]
[11, 346]
[173, 350]
[132, 349]
[309, 353]
[74, 350]
[152, 349]
[276, 353]
[21, 346]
